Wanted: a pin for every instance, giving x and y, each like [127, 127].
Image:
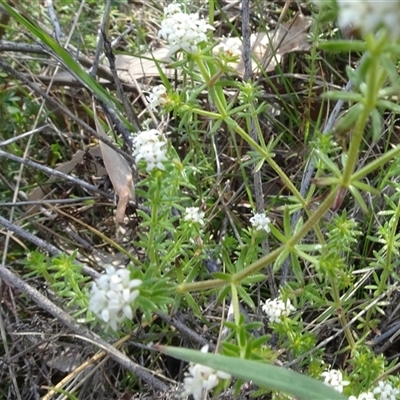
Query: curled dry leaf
[119, 171]
[269, 48]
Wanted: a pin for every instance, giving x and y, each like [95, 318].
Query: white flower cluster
[230, 47]
[200, 378]
[183, 31]
[150, 147]
[363, 396]
[260, 222]
[334, 378]
[112, 295]
[157, 97]
[277, 308]
[386, 391]
[367, 16]
[193, 214]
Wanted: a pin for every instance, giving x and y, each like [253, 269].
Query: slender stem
[308, 225]
[154, 221]
[354, 147]
[375, 79]
[342, 316]
[204, 113]
[200, 286]
[391, 248]
[269, 258]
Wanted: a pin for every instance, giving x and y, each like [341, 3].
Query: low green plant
[336, 277]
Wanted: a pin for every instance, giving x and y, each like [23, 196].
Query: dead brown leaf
[119, 171]
[269, 48]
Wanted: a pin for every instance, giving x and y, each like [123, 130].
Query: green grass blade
[264, 375]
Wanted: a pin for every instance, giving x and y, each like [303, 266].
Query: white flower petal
[112, 296]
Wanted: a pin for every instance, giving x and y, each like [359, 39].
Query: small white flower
[368, 16]
[260, 222]
[277, 308]
[183, 31]
[112, 295]
[334, 378]
[172, 8]
[157, 97]
[200, 378]
[363, 396]
[386, 391]
[150, 147]
[193, 214]
[229, 48]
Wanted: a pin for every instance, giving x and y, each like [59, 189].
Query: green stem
[308, 225]
[205, 113]
[234, 125]
[354, 147]
[200, 286]
[390, 245]
[375, 79]
[211, 11]
[340, 312]
[269, 258]
[154, 221]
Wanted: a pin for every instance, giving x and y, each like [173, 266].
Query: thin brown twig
[102, 71]
[132, 117]
[11, 71]
[71, 82]
[257, 178]
[185, 331]
[52, 171]
[42, 244]
[49, 201]
[100, 39]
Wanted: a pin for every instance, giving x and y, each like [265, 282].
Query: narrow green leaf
[366, 188]
[346, 96]
[342, 45]
[245, 297]
[359, 199]
[388, 105]
[264, 375]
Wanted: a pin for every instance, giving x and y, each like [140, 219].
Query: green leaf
[346, 96]
[342, 45]
[264, 375]
[192, 303]
[376, 125]
[245, 297]
[359, 199]
[278, 235]
[388, 105]
[222, 276]
[366, 188]
[328, 163]
[346, 122]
